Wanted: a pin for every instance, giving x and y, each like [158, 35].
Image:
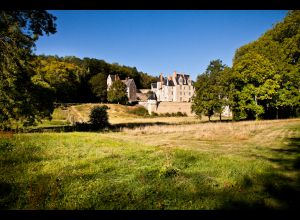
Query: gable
[129, 82]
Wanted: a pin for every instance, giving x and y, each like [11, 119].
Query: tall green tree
[256, 85]
[211, 96]
[20, 98]
[117, 93]
[99, 86]
[266, 79]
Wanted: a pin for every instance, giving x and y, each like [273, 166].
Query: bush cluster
[140, 111]
[173, 114]
[99, 117]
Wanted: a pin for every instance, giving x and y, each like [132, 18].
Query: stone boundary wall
[173, 107]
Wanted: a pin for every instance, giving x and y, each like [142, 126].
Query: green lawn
[198, 166]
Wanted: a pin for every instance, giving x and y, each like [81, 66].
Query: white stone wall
[109, 82]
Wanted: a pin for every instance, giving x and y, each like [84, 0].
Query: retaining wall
[173, 107]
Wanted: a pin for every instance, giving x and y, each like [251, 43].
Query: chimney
[161, 78]
[174, 74]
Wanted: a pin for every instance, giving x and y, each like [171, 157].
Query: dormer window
[180, 81]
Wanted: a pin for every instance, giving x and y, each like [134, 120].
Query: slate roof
[127, 82]
[186, 77]
[152, 97]
[168, 82]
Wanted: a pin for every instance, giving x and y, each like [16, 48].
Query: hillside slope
[117, 114]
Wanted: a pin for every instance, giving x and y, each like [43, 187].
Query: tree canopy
[21, 99]
[117, 93]
[265, 73]
[84, 80]
[264, 81]
[210, 96]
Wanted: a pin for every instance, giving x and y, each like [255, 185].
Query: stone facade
[111, 79]
[130, 86]
[175, 88]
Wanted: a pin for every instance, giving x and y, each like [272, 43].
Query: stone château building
[175, 88]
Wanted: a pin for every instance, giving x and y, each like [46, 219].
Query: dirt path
[74, 115]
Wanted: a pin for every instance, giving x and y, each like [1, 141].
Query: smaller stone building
[130, 86]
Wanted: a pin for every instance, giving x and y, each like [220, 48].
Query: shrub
[154, 114]
[99, 117]
[141, 111]
[180, 114]
[173, 114]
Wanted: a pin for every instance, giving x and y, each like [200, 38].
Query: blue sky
[157, 41]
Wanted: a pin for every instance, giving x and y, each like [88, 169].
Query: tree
[210, 93]
[99, 86]
[117, 93]
[20, 98]
[146, 80]
[266, 79]
[62, 76]
[98, 117]
[256, 85]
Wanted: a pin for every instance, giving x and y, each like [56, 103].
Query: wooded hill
[83, 80]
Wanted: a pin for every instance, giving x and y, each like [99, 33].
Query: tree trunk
[220, 116]
[209, 118]
[276, 112]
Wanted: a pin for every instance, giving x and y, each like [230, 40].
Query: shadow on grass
[14, 163]
[217, 121]
[86, 127]
[279, 190]
[163, 190]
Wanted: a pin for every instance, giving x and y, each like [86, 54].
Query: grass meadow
[177, 165]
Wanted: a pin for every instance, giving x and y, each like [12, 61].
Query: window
[184, 93]
[180, 87]
[189, 93]
[180, 93]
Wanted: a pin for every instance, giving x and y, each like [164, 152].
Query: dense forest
[31, 84]
[264, 80]
[82, 80]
